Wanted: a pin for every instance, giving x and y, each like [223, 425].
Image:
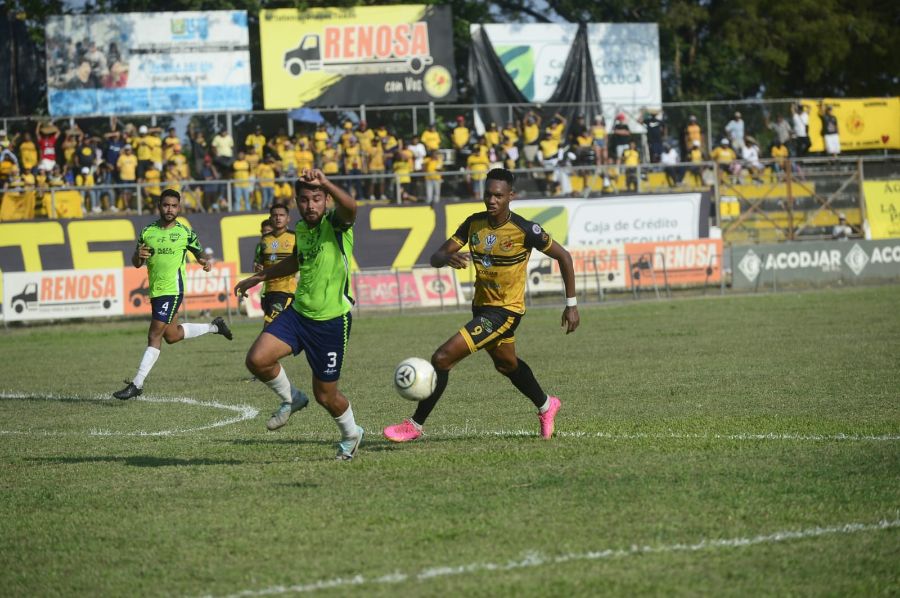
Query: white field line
[243, 412]
[462, 433]
[538, 559]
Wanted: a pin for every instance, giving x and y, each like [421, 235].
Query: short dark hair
[501, 174]
[279, 206]
[265, 222]
[302, 184]
[170, 193]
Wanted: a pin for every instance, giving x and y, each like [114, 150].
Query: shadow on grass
[42, 399]
[139, 461]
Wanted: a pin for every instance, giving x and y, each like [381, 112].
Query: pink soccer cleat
[547, 418]
[409, 431]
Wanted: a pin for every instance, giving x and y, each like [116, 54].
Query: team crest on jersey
[489, 241]
[536, 228]
[474, 240]
[174, 236]
[506, 244]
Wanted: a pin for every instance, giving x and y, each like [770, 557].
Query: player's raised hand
[314, 177]
[207, 264]
[570, 319]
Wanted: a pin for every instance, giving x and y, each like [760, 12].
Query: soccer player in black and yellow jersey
[500, 243]
[278, 244]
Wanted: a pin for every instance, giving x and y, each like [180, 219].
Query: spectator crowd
[120, 167]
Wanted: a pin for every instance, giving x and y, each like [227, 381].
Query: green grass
[665, 392]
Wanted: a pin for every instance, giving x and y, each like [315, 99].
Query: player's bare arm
[285, 267]
[570, 317]
[140, 255]
[344, 204]
[449, 255]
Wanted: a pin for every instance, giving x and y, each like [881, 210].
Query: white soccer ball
[414, 379]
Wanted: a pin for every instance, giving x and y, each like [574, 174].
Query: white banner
[62, 294]
[625, 58]
[148, 63]
[616, 220]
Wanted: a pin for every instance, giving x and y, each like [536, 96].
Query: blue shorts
[165, 308]
[324, 341]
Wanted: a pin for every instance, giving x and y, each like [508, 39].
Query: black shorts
[489, 327]
[325, 341]
[274, 303]
[165, 308]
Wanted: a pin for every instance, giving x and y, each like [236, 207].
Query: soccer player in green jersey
[163, 247]
[318, 320]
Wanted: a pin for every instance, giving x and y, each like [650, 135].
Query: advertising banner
[868, 123]
[421, 287]
[679, 263]
[625, 59]
[814, 262]
[59, 294]
[148, 63]
[601, 266]
[202, 290]
[388, 237]
[357, 55]
[883, 208]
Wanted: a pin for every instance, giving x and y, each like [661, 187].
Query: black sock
[425, 407]
[523, 379]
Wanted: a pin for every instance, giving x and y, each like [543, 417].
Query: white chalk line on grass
[243, 412]
[744, 436]
[538, 559]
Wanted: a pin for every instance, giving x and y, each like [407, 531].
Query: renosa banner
[60, 294]
[357, 55]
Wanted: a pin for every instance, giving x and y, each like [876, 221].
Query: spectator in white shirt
[669, 160]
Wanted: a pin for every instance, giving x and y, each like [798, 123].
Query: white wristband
[571, 301]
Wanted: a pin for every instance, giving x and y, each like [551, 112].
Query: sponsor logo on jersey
[506, 244]
[489, 241]
[486, 261]
[536, 228]
[474, 240]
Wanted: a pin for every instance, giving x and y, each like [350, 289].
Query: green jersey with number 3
[324, 254]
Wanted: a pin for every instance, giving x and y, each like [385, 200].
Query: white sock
[281, 386]
[151, 354]
[546, 406]
[194, 330]
[346, 424]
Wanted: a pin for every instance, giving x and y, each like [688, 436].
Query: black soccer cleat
[129, 392]
[222, 328]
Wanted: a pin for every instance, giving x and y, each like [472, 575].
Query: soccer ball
[414, 379]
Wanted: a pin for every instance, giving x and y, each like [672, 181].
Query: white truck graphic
[308, 57]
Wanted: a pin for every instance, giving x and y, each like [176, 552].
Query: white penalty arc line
[538, 559]
[243, 412]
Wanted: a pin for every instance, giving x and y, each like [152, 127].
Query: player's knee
[254, 362]
[441, 360]
[506, 367]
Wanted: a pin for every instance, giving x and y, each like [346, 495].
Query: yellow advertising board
[357, 55]
[863, 124]
[883, 208]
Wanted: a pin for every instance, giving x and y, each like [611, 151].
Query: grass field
[726, 446]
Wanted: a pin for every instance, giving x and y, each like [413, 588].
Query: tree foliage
[710, 49]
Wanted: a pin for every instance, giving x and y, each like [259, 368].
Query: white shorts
[832, 144]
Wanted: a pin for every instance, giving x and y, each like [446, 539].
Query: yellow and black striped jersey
[500, 255]
[271, 250]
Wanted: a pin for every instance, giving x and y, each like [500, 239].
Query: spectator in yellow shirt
[86, 179]
[511, 133]
[478, 165]
[431, 138]
[151, 189]
[353, 166]
[330, 158]
[256, 140]
[557, 127]
[531, 137]
[303, 157]
[631, 158]
[598, 131]
[127, 167]
[433, 166]
[170, 142]
[460, 134]
[243, 186]
[28, 154]
[492, 135]
[265, 177]
[320, 139]
[375, 166]
[365, 136]
[403, 166]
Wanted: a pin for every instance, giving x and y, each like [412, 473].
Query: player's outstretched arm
[448, 255]
[570, 317]
[285, 267]
[344, 204]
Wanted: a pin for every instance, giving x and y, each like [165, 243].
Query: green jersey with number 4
[168, 248]
[324, 254]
